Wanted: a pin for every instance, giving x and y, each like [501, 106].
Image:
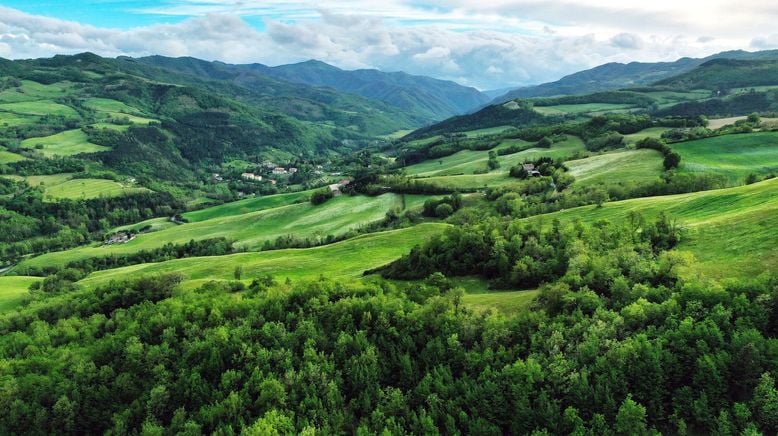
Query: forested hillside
[613, 76]
[191, 247]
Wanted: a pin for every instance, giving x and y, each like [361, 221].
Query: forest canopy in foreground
[622, 345]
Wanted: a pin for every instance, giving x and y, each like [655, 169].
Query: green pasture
[250, 230]
[731, 232]
[13, 289]
[67, 143]
[651, 132]
[89, 188]
[10, 119]
[614, 167]
[580, 109]
[39, 108]
[468, 161]
[7, 157]
[486, 131]
[247, 205]
[32, 91]
[343, 260]
[732, 156]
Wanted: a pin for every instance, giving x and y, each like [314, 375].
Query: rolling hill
[615, 75]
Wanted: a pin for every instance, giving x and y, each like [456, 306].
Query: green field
[502, 301]
[651, 132]
[343, 260]
[109, 105]
[7, 157]
[585, 108]
[472, 181]
[60, 186]
[39, 107]
[10, 119]
[13, 289]
[731, 232]
[732, 156]
[631, 166]
[31, 91]
[67, 143]
[89, 188]
[155, 224]
[248, 205]
[468, 161]
[249, 230]
[487, 131]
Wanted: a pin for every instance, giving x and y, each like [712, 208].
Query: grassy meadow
[88, 188]
[468, 161]
[67, 143]
[732, 156]
[13, 289]
[7, 157]
[581, 109]
[248, 230]
[342, 260]
[614, 167]
[64, 186]
[730, 232]
[247, 205]
[39, 108]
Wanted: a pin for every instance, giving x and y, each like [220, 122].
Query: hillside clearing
[730, 232]
[249, 230]
[615, 167]
[347, 260]
[731, 156]
[67, 143]
[13, 290]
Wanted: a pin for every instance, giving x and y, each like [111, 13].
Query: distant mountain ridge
[422, 98]
[437, 98]
[614, 75]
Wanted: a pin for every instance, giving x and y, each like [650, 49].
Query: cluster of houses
[268, 169]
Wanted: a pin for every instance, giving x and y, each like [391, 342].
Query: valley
[195, 247]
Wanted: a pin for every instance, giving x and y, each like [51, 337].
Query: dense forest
[618, 345]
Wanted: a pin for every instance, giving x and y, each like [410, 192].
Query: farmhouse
[292, 170]
[530, 169]
[120, 238]
[279, 170]
[216, 177]
[336, 188]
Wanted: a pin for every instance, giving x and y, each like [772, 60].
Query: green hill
[248, 230]
[730, 231]
[343, 260]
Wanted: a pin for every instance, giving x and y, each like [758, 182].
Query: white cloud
[489, 43]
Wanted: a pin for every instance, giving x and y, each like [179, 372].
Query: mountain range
[421, 99]
[615, 75]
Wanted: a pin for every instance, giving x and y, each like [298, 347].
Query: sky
[488, 44]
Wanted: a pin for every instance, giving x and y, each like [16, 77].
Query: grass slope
[343, 260]
[733, 156]
[250, 230]
[467, 161]
[248, 205]
[89, 188]
[7, 157]
[731, 232]
[65, 143]
[13, 289]
[40, 107]
[631, 165]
